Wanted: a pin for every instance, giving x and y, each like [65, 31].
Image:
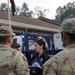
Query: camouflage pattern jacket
[62, 63]
[12, 62]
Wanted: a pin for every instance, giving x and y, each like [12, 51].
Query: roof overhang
[24, 25]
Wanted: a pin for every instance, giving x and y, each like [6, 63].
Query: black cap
[16, 45]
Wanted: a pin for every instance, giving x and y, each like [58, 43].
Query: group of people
[13, 62]
[37, 59]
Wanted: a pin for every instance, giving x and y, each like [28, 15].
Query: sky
[52, 5]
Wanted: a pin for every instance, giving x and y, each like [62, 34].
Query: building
[21, 23]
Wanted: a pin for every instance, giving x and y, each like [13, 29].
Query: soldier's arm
[50, 69]
[22, 67]
[52, 66]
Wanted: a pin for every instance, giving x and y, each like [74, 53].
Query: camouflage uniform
[12, 62]
[63, 63]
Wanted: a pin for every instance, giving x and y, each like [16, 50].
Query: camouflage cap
[68, 25]
[6, 31]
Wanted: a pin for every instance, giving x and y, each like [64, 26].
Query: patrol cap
[6, 31]
[68, 25]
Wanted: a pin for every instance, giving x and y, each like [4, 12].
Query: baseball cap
[68, 25]
[6, 31]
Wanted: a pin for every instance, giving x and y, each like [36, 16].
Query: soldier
[12, 62]
[63, 63]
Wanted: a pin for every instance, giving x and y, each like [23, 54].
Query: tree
[4, 7]
[25, 11]
[39, 11]
[65, 12]
[17, 10]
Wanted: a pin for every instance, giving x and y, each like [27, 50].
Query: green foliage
[25, 11]
[40, 12]
[17, 10]
[4, 7]
[65, 12]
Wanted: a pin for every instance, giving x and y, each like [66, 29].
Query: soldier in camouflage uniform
[12, 62]
[63, 63]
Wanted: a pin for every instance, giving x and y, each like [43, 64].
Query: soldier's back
[62, 63]
[68, 67]
[10, 61]
[7, 58]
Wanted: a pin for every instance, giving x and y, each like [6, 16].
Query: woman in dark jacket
[41, 56]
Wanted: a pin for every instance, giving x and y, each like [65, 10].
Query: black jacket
[44, 56]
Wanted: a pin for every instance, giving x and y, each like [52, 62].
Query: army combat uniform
[61, 64]
[12, 62]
